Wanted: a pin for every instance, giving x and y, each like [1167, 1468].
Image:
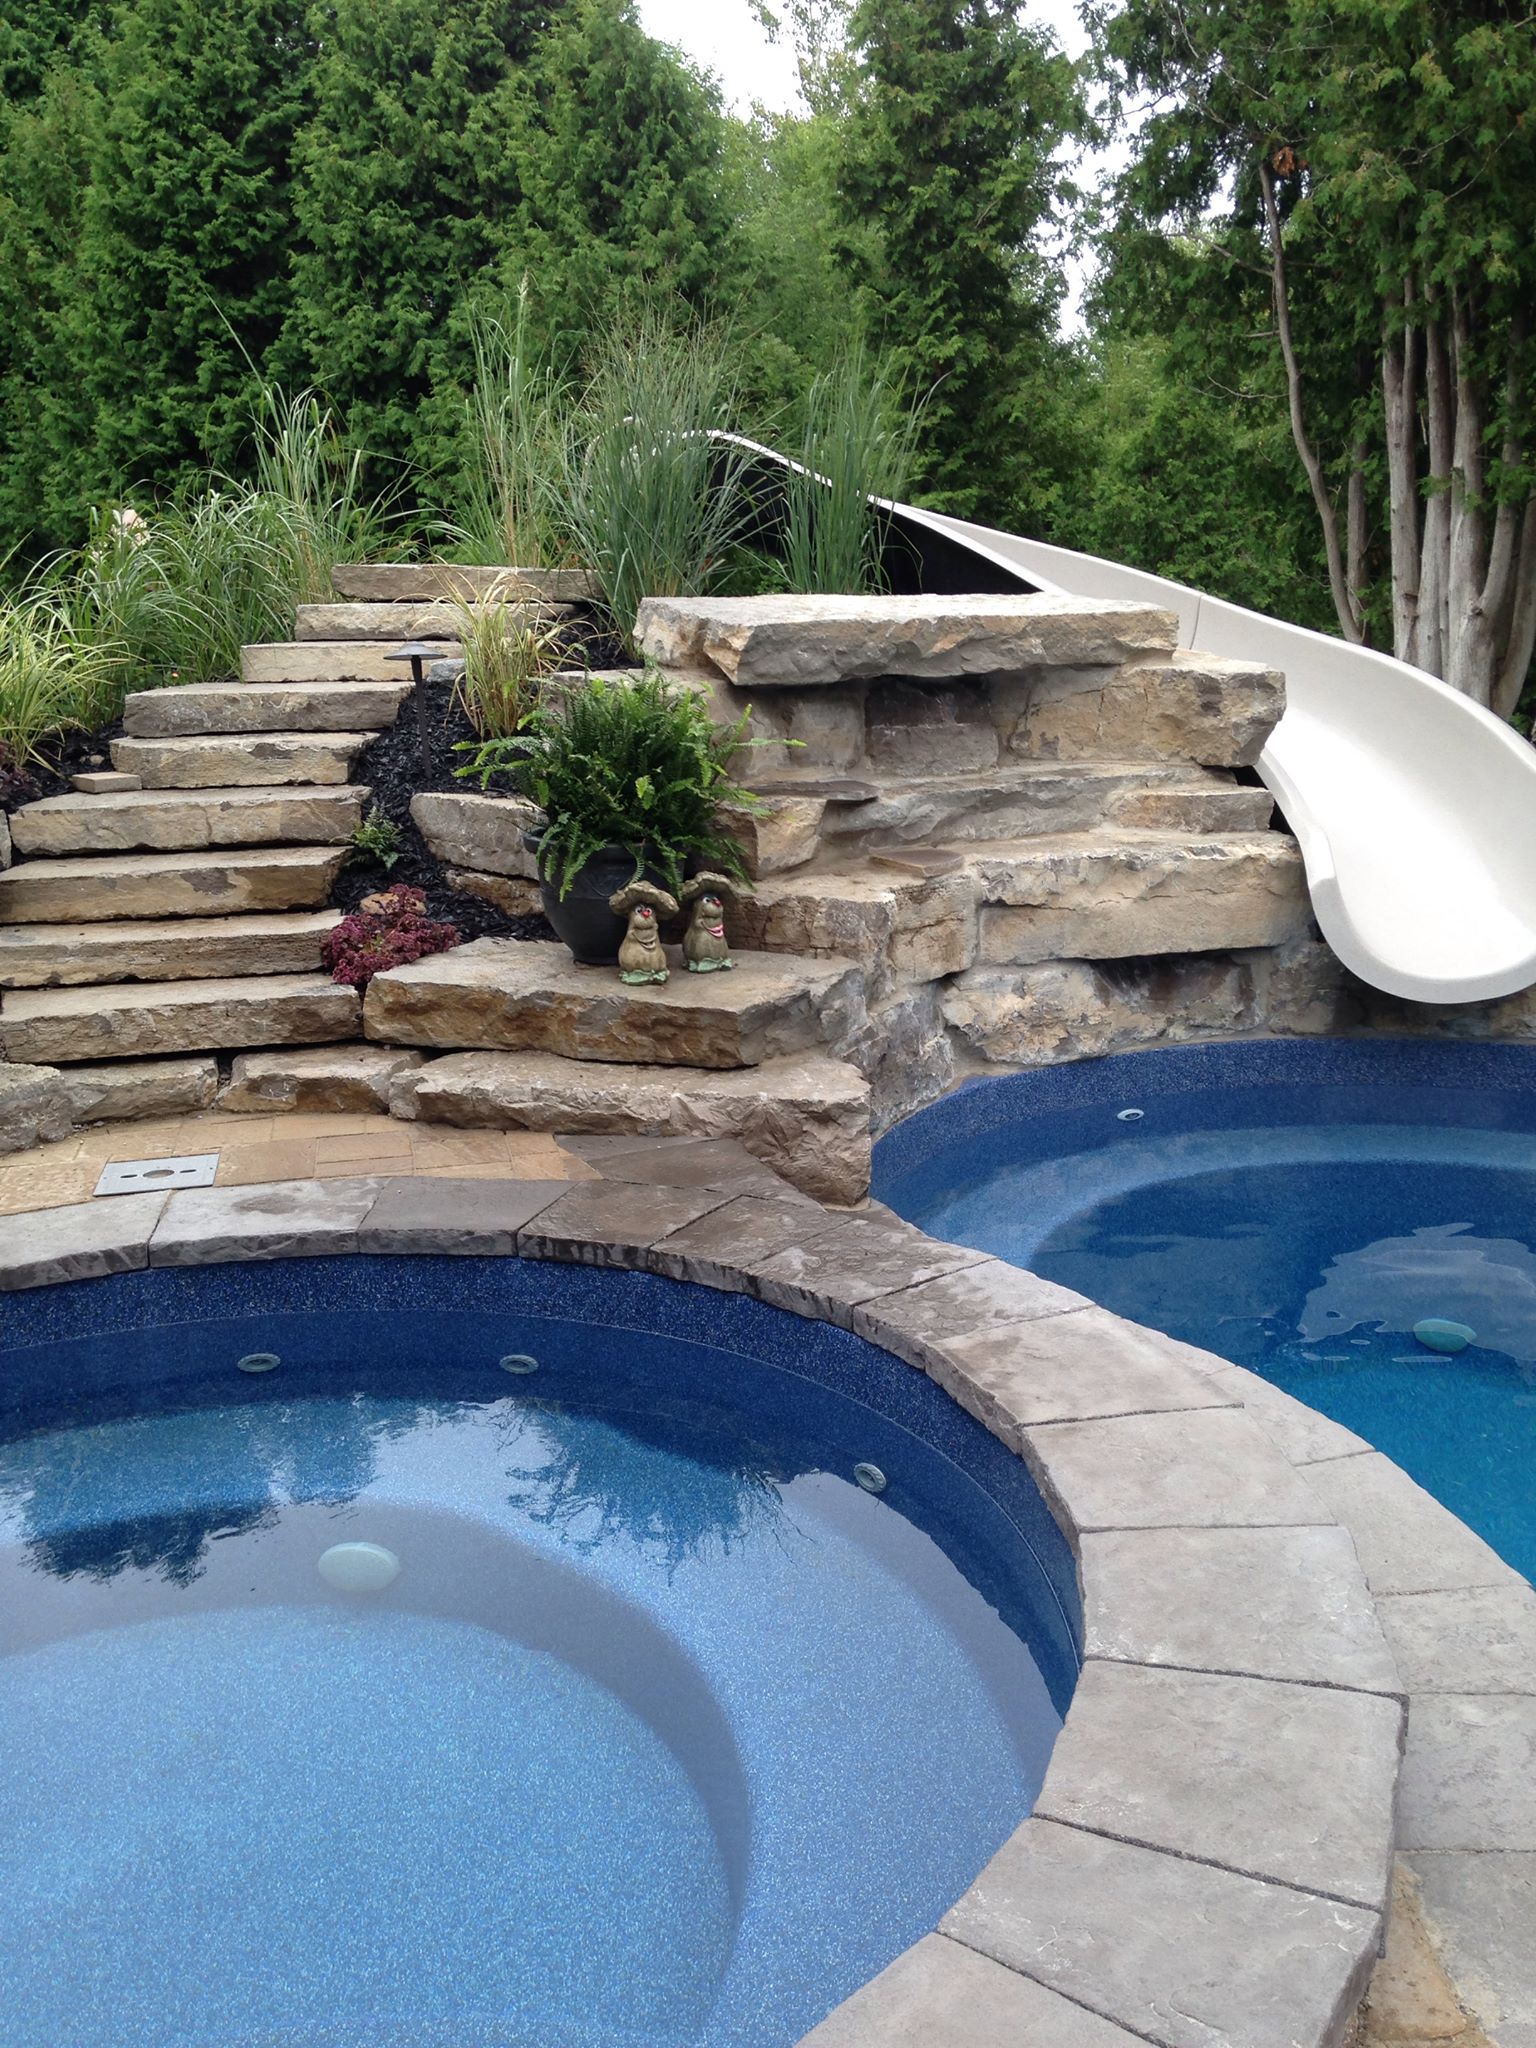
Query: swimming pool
[627, 1734]
[1296, 1206]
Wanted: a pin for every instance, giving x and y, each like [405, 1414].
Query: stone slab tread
[94, 890]
[162, 949]
[344, 705]
[140, 1020]
[173, 820]
[241, 760]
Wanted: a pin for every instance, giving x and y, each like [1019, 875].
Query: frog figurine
[706, 949]
[640, 952]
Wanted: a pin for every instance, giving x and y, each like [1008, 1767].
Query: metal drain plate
[149, 1176]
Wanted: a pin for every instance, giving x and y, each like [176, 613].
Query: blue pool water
[665, 1735]
[1294, 1206]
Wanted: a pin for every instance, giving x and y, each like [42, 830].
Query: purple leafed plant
[387, 930]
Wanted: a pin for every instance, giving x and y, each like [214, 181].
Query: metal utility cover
[145, 1176]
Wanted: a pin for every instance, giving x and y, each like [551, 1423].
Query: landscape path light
[416, 652]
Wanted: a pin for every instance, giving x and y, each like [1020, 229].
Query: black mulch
[395, 766]
[65, 755]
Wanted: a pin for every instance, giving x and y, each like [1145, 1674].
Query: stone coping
[1210, 1857]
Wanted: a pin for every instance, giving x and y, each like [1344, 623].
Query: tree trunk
[1399, 377]
[1434, 580]
[1344, 604]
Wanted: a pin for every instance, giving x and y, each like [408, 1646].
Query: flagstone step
[795, 642]
[530, 996]
[167, 820]
[162, 949]
[91, 891]
[264, 707]
[807, 1116]
[1123, 896]
[325, 661]
[1025, 797]
[243, 761]
[427, 621]
[139, 1020]
[420, 582]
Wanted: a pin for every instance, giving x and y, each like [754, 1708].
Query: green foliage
[33, 33]
[618, 149]
[956, 114]
[149, 193]
[1366, 171]
[640, 765]
[517, 407]
[176, 593]
[858, 442]
[653, 506]
[403, 171]
[507, 657]
[1195, 478]
[311, 479]
[377, 838]
[52, 679]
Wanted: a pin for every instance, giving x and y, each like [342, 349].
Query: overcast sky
[723, 36]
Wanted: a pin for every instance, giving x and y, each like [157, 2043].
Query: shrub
[640, 765]
[653, 506]
[389, 930]
[858, 442]
[507, 657]
[509, 508]
[177, 592]
[52, 678]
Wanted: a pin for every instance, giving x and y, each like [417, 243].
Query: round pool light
[519, 1362]
[1435, 1333]
[259, 1361]
[1129, 1116]
[358, 1567]
[870, 1477]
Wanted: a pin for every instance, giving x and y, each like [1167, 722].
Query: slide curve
[1414, 808]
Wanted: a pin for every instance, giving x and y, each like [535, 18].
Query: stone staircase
[183, 911]
[993, 830]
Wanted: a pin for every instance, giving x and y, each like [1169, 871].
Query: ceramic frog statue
[640, 952]
[706, 949]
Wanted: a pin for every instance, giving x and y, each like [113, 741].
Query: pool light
[358, 1567]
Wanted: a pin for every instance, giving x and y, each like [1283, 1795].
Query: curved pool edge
[1215, 1832]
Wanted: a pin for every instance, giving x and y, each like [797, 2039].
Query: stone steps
[806, 1116]
[328, 707]
[162, 949]
[325, 661]
[426, 621]
[529, 996]
[174, 820]
[155, 885]
[141, 1020]
[244, 761]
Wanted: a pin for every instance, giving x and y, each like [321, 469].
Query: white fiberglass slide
[1414, 808]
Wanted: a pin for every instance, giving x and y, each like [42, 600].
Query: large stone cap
[788, 642]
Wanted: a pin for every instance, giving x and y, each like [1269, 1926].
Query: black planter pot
[581, 917]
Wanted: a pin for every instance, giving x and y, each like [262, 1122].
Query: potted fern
[630, 775]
